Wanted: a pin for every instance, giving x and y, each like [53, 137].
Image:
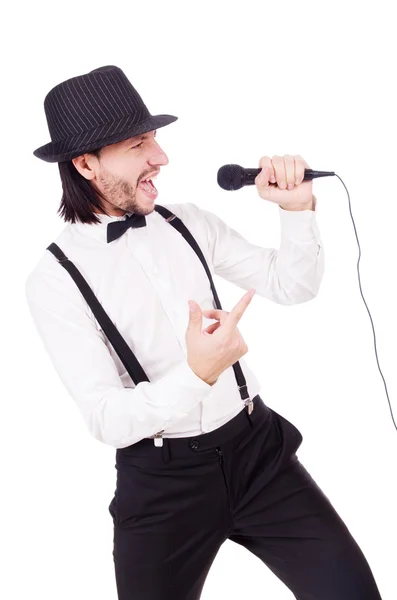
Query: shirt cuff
[186, 390]
[188, 378]
[299, 225]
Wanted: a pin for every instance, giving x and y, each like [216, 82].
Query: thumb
[195, 315]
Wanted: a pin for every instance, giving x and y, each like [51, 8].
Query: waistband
[184, 446]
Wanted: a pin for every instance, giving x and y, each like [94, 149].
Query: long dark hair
[79, 196]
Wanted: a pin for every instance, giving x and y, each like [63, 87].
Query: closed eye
[137, 146]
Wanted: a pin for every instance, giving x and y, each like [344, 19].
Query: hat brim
[65, 150]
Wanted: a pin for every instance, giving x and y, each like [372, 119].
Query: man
[200, 459]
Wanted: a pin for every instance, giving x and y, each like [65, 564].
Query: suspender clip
[248, 402]
[246, 398]
[158, 438]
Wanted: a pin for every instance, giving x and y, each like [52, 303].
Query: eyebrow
[138, 137]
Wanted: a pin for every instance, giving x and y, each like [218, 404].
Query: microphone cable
[362, 295]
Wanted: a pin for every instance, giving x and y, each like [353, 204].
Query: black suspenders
[124, 352]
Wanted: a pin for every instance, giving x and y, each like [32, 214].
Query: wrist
[308, 206]
[209, 378]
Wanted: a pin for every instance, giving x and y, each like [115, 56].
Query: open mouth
[148, 187]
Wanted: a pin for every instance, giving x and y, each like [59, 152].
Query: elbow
[309, 285]
[108, 425]
[110, 438]
[101, 435]
[301, 282]
[100, 432]
[299, 295]
[301, 292]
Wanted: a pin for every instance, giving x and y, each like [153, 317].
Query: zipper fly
[219, 451]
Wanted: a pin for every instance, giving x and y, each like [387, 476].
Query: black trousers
[175, 506]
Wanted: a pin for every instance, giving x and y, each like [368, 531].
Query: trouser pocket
[289, 435]
[112, 510]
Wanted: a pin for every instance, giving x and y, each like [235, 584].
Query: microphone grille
[230, 177]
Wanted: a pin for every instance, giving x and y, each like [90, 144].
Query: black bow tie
[116, 228]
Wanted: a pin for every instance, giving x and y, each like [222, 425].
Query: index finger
[237, 312]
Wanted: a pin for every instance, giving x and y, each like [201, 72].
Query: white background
[246, 80]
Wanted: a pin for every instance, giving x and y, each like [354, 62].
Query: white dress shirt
[144, 280]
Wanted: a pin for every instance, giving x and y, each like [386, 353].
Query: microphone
[233, 177]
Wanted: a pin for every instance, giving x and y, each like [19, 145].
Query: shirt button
[194, 444]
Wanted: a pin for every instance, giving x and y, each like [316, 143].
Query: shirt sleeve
[114, 414]
[288, 275]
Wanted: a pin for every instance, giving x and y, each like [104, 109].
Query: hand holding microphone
[286, 173]
[286, 181]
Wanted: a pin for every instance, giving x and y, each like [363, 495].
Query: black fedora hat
[93, 110]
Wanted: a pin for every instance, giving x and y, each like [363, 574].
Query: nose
[159, 157]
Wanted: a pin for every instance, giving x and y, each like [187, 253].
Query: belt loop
[166, 450]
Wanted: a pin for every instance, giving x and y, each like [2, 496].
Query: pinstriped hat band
[93, 110]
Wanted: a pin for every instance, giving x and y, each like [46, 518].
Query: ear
[82, 164]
